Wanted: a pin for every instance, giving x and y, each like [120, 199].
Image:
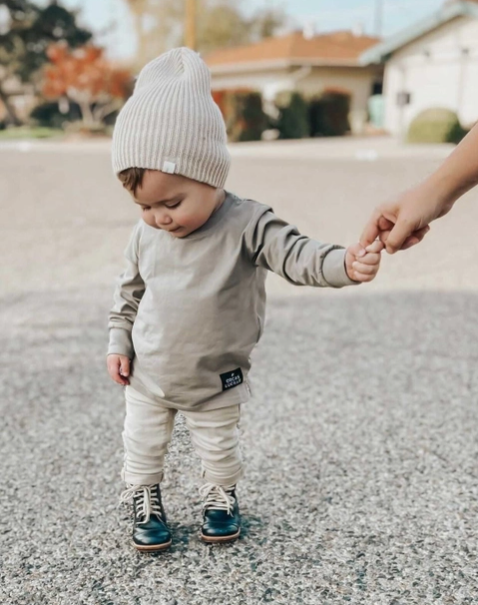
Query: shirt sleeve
[274, 244]
[129, 291]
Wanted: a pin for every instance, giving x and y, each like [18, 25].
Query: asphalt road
[361, 442]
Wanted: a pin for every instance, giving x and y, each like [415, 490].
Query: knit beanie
[171, 122]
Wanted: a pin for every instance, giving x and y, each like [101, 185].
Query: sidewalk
[356, 148]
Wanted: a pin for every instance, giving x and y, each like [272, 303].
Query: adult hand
[403, 223]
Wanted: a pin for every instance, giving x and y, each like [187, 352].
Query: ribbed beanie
[171, 122]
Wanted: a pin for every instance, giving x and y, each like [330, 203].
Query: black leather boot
[150, 531]
[222, 521]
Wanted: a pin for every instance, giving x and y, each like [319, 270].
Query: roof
[449, 11]
[341, 48]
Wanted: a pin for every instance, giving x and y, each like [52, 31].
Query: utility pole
[138, 9]
[378, 18]
[190, 37]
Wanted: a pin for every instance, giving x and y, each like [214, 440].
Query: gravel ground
[361, 442]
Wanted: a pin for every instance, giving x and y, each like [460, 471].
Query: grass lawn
[28, 132]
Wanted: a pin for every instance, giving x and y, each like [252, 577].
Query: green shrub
[293, 120]
[437, 125]
[246, 119]
[49, 115]
[329, 114]
[457, 133]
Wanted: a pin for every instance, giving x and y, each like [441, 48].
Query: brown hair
[132, 178]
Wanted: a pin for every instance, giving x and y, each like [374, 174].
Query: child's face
[175, 203]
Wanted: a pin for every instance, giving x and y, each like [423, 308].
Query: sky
[111, 21]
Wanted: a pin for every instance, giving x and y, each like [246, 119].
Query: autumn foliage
[86, 77]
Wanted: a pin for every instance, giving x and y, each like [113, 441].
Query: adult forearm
[458, 174]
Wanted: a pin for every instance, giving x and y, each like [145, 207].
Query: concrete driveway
[361, 442]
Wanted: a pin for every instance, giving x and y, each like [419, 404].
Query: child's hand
[119, 368]
[362, 267]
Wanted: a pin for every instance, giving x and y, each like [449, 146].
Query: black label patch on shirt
[232, 379]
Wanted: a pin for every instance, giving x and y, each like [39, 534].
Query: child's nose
[162, 219]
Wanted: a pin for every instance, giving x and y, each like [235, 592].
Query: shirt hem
[224, 399]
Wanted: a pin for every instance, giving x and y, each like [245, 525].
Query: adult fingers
[402, 230]
[415, 239]
[376, 247]
[372, 229]
[412, 240]
[384, 224]
[409, 243]
[420, 234]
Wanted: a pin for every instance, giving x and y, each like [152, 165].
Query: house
[19, 97]
[432, 64]
[309, 64]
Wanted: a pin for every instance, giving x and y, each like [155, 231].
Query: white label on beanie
[169, 167]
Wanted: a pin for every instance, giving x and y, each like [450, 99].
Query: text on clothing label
[231, 379]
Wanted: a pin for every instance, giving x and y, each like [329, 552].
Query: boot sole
[219, 539]
[152, 547]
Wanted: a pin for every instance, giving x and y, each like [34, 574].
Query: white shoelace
[218, 497]
[146, 498]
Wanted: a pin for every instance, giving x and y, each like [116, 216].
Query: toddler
[189, 307]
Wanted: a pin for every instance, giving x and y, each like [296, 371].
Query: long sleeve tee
[190, 310]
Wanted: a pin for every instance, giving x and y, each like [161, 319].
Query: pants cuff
[135, 479]
[221, 480]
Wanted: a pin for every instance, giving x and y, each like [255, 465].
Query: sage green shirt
[190, 310]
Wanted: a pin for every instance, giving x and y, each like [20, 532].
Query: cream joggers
[147, 432]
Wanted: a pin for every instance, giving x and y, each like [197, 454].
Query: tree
[85, 77]
[267, 22]
[222, 23]
[27, 32]
[160, 25]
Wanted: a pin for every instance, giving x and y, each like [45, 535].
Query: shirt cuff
[120, 343]
[333, 269]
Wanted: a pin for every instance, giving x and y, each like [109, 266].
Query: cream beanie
[171, 123]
